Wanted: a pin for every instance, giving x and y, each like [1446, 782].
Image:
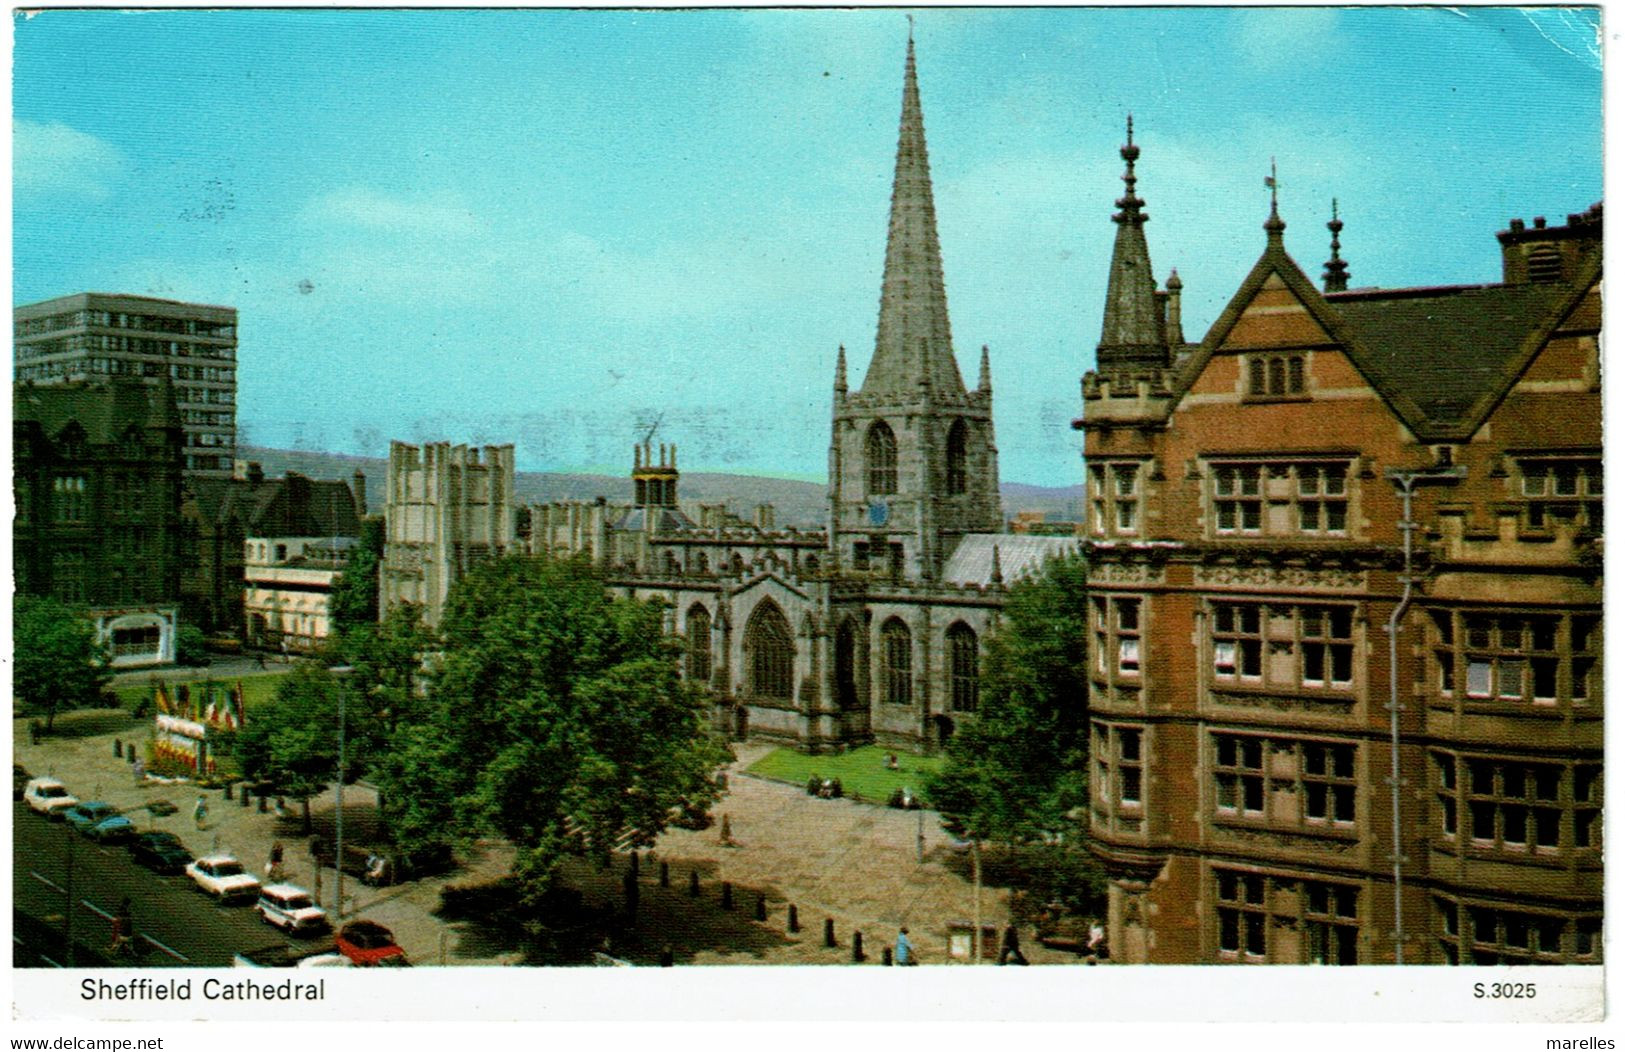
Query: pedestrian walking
[200, 813]
[123, 927]
[1010, 948]
[904, 954]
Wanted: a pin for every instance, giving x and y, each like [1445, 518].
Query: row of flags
[216, 704]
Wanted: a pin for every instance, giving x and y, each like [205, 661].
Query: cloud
[438, 215]
[1272, 38]
[53, 159]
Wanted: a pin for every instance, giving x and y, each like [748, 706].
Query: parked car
[19, 780]
[83, 817]
[223, 877]
[281, 955]
[369, 943]
[290, 908]
[160, 852]
[49, 797]
[110, 829]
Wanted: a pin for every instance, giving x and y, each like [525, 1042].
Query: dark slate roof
[667, 520]
[293, 506]
[1019, 554]
[1444, 348]
[104, 411]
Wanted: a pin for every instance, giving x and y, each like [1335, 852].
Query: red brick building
[1257, 607]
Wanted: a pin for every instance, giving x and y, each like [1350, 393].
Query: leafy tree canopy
[56, 662]
[1014, 772]
[386, 661]
[292, 742]
[355, 597]
[554, 708]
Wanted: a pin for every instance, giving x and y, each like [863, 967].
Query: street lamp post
[338, 848]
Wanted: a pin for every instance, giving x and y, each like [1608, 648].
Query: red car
[369, 943]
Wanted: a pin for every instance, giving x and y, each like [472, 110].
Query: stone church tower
[913, 465]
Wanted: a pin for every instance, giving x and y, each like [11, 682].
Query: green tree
[355, 596]
[291, 744]
[57, 663]
[191, 648]
[1013, 774]
[555, 709]
[386, 661]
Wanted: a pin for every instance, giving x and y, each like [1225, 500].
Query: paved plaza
[863, 866]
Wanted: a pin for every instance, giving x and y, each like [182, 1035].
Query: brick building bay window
[1536, 659]
[1562, 490]
[1115, 634]
[1114, 499]
[1284, 782]
[1285, 920]
[1485, 934]
[1518, 807]
[1119, 755]
[1298, 647]
[1280, 498]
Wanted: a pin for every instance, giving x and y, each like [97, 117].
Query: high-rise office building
[95, 336]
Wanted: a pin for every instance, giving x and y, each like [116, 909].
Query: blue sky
[553, 228]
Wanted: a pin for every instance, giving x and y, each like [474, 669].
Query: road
[180, 925]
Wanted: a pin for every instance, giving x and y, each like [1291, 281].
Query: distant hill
[795, 503]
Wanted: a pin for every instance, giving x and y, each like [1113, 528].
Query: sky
[561, 228]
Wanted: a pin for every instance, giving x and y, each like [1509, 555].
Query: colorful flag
[161, 699]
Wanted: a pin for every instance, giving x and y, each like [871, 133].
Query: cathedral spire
[913, 302]
[1336, 278]
[1130, 333]
[840, 370]
[984, 381]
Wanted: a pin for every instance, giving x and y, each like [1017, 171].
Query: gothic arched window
[963, 667]
[699, 644]
[880, 457]
[770, 653]
[956, 458]
[846, 665]
[896, 663]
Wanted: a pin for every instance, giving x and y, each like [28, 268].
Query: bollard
[228, 790]
[693, 884]
[629, 884]
[857, 947]
[666, 956]
[245, 796]
[885, 956]
[761, 907]
[829, 932]
[665, 875]
[727, 895]
[118, 748]
[262, 804]
[795, 922]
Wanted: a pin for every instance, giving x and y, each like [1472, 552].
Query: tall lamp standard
[338, 800]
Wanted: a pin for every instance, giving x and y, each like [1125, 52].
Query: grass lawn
[257, 689]
[862, 771]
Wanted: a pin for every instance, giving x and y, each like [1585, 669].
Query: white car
[223, 877]
[49, 797]
[290, 908]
